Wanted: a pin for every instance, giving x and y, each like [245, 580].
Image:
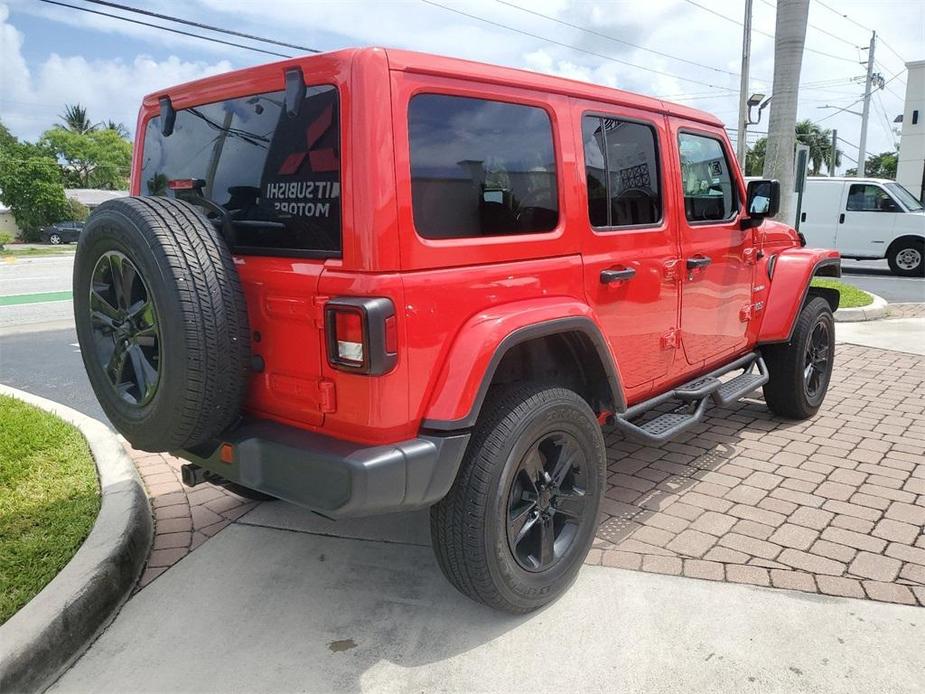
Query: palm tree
[118, 128]
[754, 157]
[819, 141]
[76, 119]
[789, 37]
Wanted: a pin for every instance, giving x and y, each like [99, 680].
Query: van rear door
[822, 202]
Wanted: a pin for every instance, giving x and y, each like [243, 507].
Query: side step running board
[694, 397]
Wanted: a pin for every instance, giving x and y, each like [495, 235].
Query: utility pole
[741, 144]
[834, 161]
[868, 88]
[789, 37]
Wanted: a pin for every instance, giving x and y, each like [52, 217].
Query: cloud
[31, 100]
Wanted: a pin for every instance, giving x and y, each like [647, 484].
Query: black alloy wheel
[124, 324]
[816, 359]
[546, 503]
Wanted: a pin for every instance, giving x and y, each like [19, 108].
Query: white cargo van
[866, 218]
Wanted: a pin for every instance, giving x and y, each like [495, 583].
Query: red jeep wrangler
[372, 281]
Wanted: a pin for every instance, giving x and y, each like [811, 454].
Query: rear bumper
[333, 477]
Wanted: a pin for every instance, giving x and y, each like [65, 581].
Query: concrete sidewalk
[900, 334]
[264, 609]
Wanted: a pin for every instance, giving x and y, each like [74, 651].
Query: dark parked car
[62, 232]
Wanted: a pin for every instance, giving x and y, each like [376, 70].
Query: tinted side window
[709, 192]
[863, 197]
[480, 168]
[277, 178]
[621, 166]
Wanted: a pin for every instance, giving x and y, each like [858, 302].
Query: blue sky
[54, 55]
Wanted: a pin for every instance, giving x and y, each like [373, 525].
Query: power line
[198, 25]
[817, 28]
[616, 40]
[764, 33]
[570, 46]
[862, 26]
[835, 113]
[163, 28]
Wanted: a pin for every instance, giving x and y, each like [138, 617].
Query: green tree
[7, 139]
[819, 141]
[754, 157]
[30, 184]
[118, 128]
[77, 211]
[881, 165]
[76, 119]
[94, 159]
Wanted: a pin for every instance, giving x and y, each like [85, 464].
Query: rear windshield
[272, 178]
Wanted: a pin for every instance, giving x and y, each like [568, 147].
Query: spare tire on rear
[162, 322]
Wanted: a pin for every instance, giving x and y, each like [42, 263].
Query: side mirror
[762, 199]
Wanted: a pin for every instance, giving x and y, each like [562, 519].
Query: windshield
[908, 200]
[274, 178]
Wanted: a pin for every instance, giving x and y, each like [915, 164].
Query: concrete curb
[41, 640]
[873, 311]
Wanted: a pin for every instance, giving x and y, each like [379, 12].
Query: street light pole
[865, 112]
[741, 145]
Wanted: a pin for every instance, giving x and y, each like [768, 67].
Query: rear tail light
[361, 334]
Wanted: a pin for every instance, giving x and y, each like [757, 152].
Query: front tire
[800, 370]
[907, 258]
[521, 515]
[54, 240]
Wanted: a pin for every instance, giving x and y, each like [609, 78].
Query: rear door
[717, 255]
[867, 221]
[630, 245]
[270, 180]
[822, 202]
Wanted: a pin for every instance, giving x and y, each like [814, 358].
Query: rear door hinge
[327, 399]
[318, 303]
[671, 339]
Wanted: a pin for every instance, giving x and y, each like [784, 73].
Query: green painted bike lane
[38, 298]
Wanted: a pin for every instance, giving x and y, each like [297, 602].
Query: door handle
[698, 261]
[609, 276]
[841, 218]
[803, 217]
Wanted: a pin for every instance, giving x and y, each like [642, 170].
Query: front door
[717, 260]
[630, 248]
[866, 222]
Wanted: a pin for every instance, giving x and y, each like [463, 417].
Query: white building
[910, 171]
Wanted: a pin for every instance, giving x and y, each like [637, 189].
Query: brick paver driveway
[834, 505]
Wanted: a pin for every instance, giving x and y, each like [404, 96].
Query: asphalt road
[874, 276]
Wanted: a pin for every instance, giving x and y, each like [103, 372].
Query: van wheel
[161, 321]
[800, 370]
[520, 518]
[907, 258]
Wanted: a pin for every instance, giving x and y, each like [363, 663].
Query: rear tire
[500, 538]
[161, 321]
[800, 370]
[907, 258]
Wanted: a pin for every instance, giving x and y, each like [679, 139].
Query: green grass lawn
[14, 252]
[49, 499]
[851, 297]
